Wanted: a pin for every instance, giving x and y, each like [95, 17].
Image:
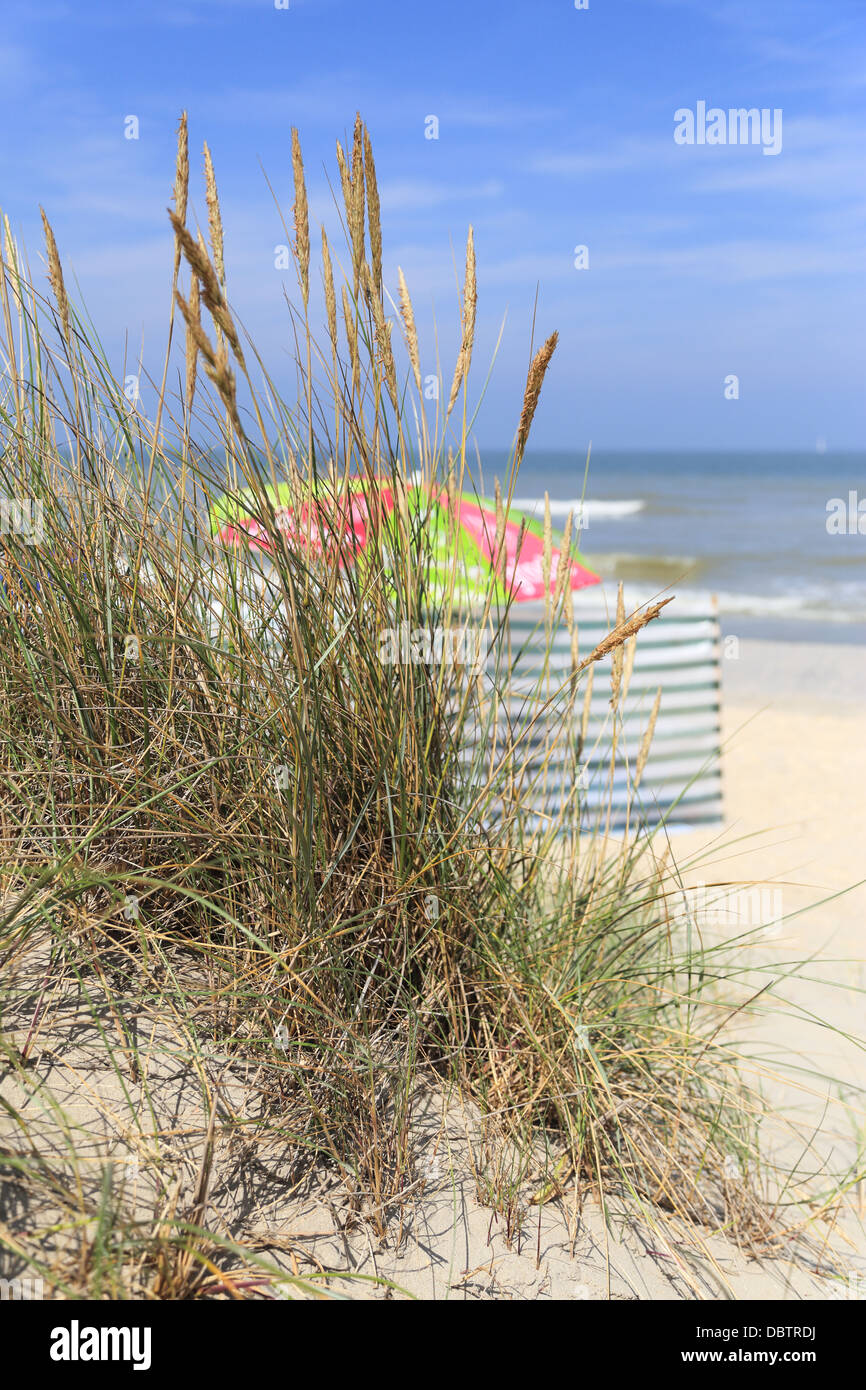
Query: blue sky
[555, 130]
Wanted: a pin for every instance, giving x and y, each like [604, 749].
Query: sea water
[760, 531]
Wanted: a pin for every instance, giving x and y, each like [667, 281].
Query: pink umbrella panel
[340, 528]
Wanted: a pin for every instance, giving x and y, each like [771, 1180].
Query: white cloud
[601, 157]
[741, 260]
[819, 159]
[410, 194]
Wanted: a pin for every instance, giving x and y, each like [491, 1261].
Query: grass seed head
[214, 216]
[55, 275]
[408, 317]
[470, 302]
[534, 380]
[302, 218]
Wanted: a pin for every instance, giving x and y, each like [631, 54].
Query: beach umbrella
[340, 527]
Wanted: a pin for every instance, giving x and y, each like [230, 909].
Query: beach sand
[794, 770]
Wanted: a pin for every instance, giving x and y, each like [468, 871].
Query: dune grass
[243, 858]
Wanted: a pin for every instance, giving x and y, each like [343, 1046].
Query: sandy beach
[794, 768]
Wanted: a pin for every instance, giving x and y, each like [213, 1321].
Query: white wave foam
[610, 559]
[821, 606]
[592, 509]
[816, 605]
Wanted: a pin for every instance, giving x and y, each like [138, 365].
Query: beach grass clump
[248, 863]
